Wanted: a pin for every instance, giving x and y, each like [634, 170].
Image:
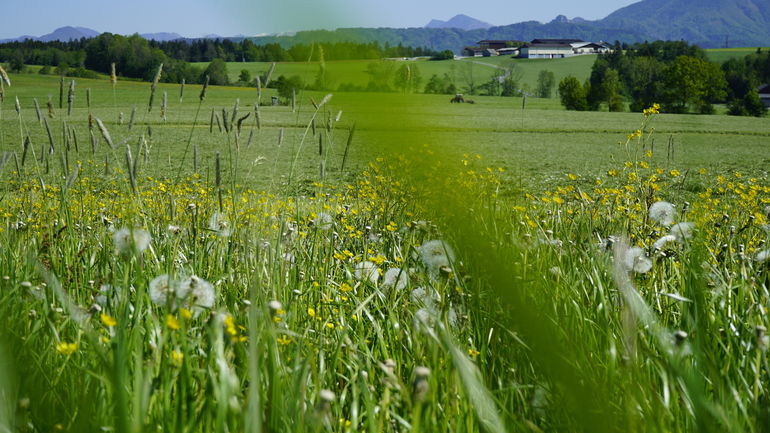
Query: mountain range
[708, 23]
[462, 22]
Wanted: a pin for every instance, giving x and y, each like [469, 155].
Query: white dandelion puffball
[162, 288]
[662, 212]
[323, 221]
[219, 224]
[367, 271]
[395, 278]
[198, 292]
[129, 240]
[664, 241]
[436, 254]
[635, 260]
[762, 256]
[682, 231]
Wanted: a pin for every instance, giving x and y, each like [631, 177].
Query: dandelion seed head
[219, 224]
[663, 213]
[635, 260]
[129, 240]
[162, 289]
[663, 242]
[395, 278]
[199, 293]
[682, 231]
[762, 256]
[367, 270]
[323, 221]
[436, 254]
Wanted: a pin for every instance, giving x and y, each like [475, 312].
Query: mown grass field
[481, 68]
[485, 267]
[724, 54]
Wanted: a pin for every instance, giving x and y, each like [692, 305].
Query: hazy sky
[193, 18]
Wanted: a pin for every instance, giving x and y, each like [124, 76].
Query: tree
[407, 78]
[748, 105]
[440, 85]
[572, 94]
[469, 78]
[245, 76]
[443, 55]
[693, 81]
[287, 86]
[611, 90]
[545, 83]
[217, 72]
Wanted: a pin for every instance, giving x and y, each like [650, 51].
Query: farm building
[764, 94]
[559, 48]
[487, 48]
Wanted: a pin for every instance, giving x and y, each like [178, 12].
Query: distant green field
[724, 54]
[535, 144]
[481, 68]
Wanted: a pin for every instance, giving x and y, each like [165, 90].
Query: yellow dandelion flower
[108, 320]
[177, 356]
[283, 340]
[66, 349]
[172, 322]
[311, 312]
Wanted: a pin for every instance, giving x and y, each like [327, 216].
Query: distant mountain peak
[68, 33]
[461, 21]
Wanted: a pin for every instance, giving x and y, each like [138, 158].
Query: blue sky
[194, 18]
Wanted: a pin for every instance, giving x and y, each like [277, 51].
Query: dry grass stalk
[259, 89]
[113, 76]
[163, 106]
[280, 137]
[70, 97]
[258, 116]
[154, 87]
[235, 113]
[132, 118]
[50, 137]
[347, 146]
[269, 74]
[240, 122]
[129, 168]
[2, 90]
[61, 92]
[50, 107]
[18, 106]
[181, 90]
[4, 76]
[203, 90]
[105, 133]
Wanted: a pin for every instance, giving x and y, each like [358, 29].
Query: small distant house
[510, 51]
[473, 51]
[489, 52]
[764, 95]
[495, 44]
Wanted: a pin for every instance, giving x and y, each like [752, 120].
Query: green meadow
[366, 262]
[481, 69]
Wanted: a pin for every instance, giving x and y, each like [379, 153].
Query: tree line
[136, 57]
[674, 74]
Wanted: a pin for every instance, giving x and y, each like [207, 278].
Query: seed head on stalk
[203, 90]
[154, 86]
